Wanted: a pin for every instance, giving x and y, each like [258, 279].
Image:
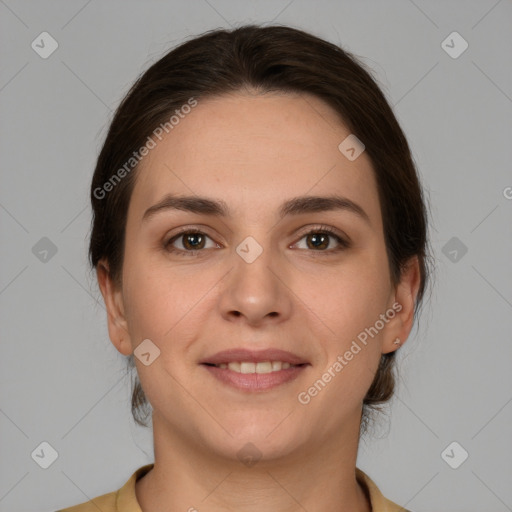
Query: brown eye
[318, 240]
[321, 240]
[193, 241]
[190, 241]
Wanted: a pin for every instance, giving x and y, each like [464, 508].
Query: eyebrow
[218, 208]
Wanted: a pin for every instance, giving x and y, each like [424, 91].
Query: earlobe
[405, 295]
[113, 297]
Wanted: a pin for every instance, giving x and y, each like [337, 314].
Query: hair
[264, 59]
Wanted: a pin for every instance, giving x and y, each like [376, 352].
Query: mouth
[255, 371]
[249, 367]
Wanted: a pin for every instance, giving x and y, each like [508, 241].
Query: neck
[188, 477]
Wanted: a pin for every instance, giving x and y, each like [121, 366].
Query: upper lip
[253, 356]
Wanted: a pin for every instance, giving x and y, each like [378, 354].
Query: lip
[255, 382]
[253, 356]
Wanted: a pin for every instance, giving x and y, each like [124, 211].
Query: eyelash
[323, 230]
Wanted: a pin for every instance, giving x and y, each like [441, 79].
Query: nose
[256, 291]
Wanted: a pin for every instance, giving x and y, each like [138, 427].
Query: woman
[260, 241]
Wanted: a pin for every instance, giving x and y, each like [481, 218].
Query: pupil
[190, 238]
[318, 240]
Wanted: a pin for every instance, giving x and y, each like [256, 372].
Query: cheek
[351, 298]
[357, 295]
[351, 350]
[153, 306]
[162, 301]
[149, 297]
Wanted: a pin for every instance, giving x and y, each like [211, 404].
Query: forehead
[254, 152]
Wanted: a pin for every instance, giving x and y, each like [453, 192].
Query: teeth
[263, 367]
[248, 367]
[235, 367]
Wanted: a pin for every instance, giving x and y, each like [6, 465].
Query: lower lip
[255, 381]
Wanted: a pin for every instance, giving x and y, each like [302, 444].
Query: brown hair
[268, 58]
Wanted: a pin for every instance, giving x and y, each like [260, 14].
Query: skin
[254, 152]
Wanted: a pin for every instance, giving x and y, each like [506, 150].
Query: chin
[265, 440]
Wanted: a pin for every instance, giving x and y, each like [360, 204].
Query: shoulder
[105, 503]
[123, 499]
[378, 501]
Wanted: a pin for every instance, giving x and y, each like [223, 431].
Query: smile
[250, 367]
[255, 377]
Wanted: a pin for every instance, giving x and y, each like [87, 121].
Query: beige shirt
[125, 500]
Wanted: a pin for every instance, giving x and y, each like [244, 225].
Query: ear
[404, 300]
[113, 297]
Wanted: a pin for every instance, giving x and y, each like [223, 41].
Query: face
[274, 271]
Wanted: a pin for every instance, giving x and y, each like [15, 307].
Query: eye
[319, 240]
[191, 241]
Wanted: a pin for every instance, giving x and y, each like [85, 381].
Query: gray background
[64, 383]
